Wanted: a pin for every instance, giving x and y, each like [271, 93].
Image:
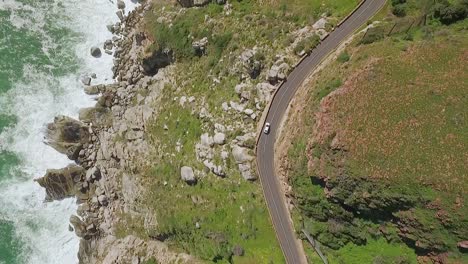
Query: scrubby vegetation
[387, 182]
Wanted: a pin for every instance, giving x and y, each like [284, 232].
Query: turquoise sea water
[44, 49]
[28, 42]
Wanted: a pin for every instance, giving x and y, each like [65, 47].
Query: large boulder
[62, 183]
[187, 175]
[67, 136]
[241, 154]
[219, 138]
[246, 172]
[265, 91]
[96, 52]
[206, 140]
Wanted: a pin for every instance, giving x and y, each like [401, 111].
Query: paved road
[265, 148]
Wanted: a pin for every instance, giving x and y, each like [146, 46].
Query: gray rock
[219, 171]
[272, 75]
[78, 225]
[120, 4]
[224, 155]
[264, 91]
[108, 44]
[187, 175]
[320, 24]
[248, 111]
[206, 140]
[111, 28]
[199, 46]
[103, 200]
[219, 138]
[120, 15]
[96, 52]
[86, 80]
[241, 154]
[67, 136]
[225, 106]
[246, 172]
[93, 174]
[62, 183]
[92, 90]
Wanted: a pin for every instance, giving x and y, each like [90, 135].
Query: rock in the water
[108, 44]
[86, 80]
[120, 15]
[96, 52]
[62, 183]
[187, 175]
[120, 4]
[67, 136]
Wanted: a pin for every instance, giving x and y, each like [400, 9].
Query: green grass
[375, 251]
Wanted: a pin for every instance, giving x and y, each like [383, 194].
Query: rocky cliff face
[109, 146]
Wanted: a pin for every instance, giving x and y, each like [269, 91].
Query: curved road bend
[265, 148]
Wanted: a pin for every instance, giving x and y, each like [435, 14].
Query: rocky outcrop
[67, 136]
[156, 60]
[62, 183]
[130, 249]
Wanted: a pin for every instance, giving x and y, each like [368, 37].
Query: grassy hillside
[217, 214]
[379, 150]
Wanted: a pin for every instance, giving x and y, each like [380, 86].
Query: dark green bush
[399, 10]
[343, 57]
[449, 13]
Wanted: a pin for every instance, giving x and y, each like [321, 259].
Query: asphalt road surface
[265, 149]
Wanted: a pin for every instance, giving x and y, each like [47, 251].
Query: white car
[266, 130]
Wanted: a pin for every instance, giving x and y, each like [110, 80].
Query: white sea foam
[43, 227]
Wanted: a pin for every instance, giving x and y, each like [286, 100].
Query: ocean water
[44, 49]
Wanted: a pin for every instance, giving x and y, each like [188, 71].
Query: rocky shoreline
[110, 146]
[104, 144]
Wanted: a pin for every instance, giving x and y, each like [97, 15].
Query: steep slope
[377, 141]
